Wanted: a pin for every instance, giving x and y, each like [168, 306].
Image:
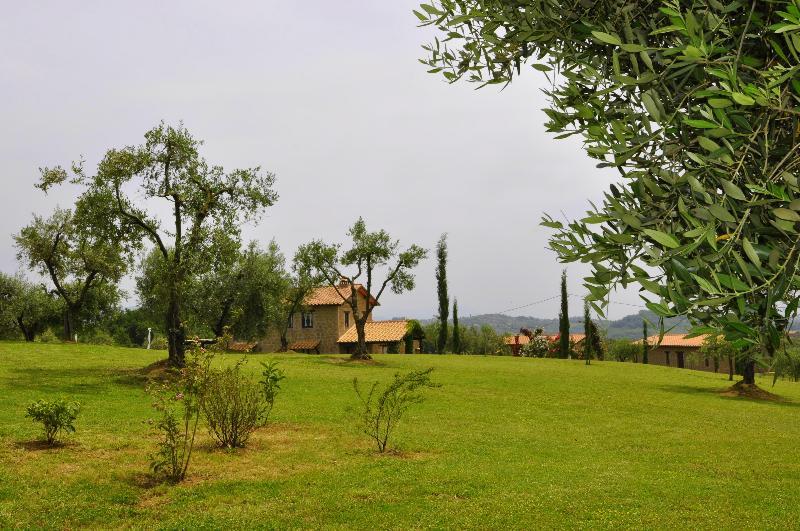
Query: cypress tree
[441, 287]
[645, 346]
[563, 319]
[588, 341]
[456, 332]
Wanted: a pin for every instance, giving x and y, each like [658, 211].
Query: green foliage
[271, 377]
[368, 253]
[381, 410]
[623, 350]
[83, 254]
[538, 346]
[24, 308]
[716, 348]
[48, 336]
[694, 103]
[590, 331]
[441, 292]
[204, 200]
[456, 329]
[98, 337]
[55, 416]
[786, 364]
[178, 400]
[563, 319]
[234, 406]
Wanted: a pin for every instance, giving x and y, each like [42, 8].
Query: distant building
[517, 341]
[325, 324]
[677, 350]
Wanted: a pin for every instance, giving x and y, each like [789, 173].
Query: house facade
[677, 350]
[325, 325]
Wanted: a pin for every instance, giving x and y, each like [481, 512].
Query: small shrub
[158, 343]
[270, 384]
[382, 410]
[179, 402]
[55, 415]
[624, 350]
[234, 406]
[786, 365]
[100, 337]
[48, 336]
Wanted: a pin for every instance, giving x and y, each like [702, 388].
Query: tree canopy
[695, 104]
[202, 198]
[369, 253]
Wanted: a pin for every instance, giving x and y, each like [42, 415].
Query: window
[667, 354]
[347, 319]
[308, 319]
[291, 321]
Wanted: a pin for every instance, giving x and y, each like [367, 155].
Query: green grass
[505, 442]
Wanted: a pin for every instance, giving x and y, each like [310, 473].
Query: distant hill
[629, 326]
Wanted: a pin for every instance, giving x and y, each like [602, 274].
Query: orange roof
[378, 332]
[524, 340]
[332, 296]
[675, 340]
[304, 344]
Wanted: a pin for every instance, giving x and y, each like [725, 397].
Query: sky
[331, 97]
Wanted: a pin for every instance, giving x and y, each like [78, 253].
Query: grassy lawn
[506, 442]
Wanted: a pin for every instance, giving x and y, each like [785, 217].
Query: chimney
[344, 282]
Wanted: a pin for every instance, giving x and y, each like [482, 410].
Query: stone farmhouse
[677, 350]
[325, 324]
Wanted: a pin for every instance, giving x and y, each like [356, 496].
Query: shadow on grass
[62, 380]
[726, 394]
[39, 445]
[349, 362]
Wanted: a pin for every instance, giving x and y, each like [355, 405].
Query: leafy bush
[786, 365]
[382, 410]
[179, 402]
[48, 336]
[158, 343]
[234, 406]
[100, 337]
[55, 415]
[270, 384]
[624, 350]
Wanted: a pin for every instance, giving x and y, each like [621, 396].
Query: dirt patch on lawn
[348, 361]
[752, 392]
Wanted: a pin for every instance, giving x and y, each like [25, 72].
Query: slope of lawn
[505, 442]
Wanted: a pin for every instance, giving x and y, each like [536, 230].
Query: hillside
[504, 443]
[629, 326]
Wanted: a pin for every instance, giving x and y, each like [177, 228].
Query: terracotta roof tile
[675, 340]
[524, 340]
[305, 344]
[378, 332]
[329, 296]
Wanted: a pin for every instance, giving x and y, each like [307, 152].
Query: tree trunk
[26, 332]
[176, 334]
[361, 347]
[730, 368]
[284, 342]
[69, 323]
[749, 376]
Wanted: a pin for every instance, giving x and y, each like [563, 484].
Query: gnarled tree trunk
[176, 333]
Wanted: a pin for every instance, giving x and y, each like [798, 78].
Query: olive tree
[79, 250]
[167, 170]
[695, 104]
[370, 253]
[24, 306]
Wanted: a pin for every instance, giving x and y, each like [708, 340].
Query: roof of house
[378, 332]
[675, 340]
[524, 340]
[305, 344]
[332, 296]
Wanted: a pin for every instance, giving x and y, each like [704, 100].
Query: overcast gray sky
[328, 95]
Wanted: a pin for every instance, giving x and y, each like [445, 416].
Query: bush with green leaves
[271, 377]
[48, 336]
[234, 405]
[381, 410]
[178, 399]
[624, 350]
[56, 416]
[786, 364]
